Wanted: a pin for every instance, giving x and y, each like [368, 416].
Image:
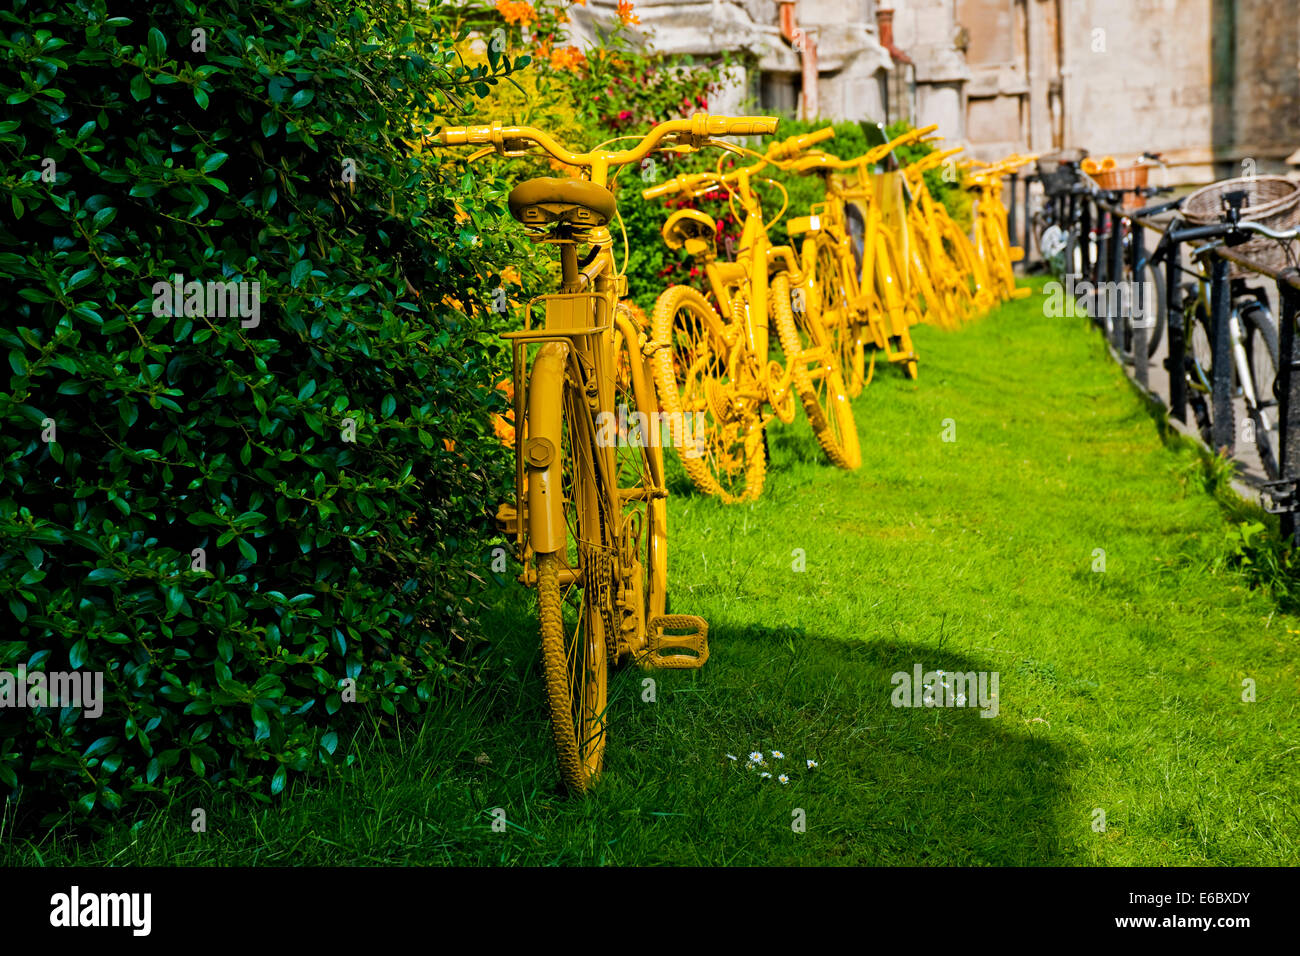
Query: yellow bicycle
[948, 272]
[714, 354]
[992, 243]
[852, 261]
[589, 519]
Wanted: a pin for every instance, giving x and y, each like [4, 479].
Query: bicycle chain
[601, 566]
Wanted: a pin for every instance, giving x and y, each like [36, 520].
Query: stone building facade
[1211, 85]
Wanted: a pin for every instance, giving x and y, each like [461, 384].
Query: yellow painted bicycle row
[768, 330]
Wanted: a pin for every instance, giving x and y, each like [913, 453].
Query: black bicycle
[1252, 334]
[1066, 232]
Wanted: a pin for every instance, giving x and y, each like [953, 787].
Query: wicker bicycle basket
[1272, 201]
[1125, 177]
[1054, 171]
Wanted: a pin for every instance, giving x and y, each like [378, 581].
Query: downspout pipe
[807, 48]
[885, 29]
[885, 26]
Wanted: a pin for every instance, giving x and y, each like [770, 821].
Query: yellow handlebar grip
[741, 125]
[460, 135]
[676, 184]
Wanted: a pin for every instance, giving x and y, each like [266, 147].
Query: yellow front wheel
[695, 381]
[826, 299]
[576, 675]
[816, 378]
[576, 596]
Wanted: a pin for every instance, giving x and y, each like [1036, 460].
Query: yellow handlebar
[797, 144]
[684, 184]
[691, 133]
[932, 160]
[869, 158]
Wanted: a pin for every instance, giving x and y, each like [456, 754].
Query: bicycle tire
[574, 651]
[1199, 367]
[1152, 281]
[824, 397]
[889, 290]
[829, 295]
[694, 375]
[1263, 355]
[963, 273]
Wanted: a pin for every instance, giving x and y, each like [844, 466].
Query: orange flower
[581, 3]
[503, 425]
[625, 13]
[516, 11]
[568, 58]
[572, 172]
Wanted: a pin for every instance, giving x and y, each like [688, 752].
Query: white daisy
[783, 778]
[811, 764]
[778, 755]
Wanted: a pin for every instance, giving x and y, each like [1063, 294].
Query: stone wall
[1209, 84]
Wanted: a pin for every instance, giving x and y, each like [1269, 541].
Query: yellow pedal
[1021, 293]
[507, 518]
[1017, 254]
[677, 641]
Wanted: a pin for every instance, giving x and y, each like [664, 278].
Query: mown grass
[1120, 691]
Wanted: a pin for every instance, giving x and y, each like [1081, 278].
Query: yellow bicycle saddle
[550, 199]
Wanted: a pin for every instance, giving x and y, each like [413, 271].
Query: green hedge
[253, 141]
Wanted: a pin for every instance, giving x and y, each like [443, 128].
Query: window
[778, 93]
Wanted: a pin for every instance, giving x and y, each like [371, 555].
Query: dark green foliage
[323, 558]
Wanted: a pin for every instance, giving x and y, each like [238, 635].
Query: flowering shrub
[247, 523]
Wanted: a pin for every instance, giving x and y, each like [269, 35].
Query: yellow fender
[547, 532]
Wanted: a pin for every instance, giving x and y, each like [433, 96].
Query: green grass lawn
[1119, 690]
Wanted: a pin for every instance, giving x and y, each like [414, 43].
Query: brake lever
[513, 148]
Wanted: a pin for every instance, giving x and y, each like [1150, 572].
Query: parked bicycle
[713, 352]
[853, 259]
[1252, 333]
[589, 519]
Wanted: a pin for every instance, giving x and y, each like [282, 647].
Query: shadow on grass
[910, 785]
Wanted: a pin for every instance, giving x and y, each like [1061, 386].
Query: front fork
[1238, 336]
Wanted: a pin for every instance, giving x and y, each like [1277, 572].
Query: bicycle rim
[1262, 355]
[830, 307]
